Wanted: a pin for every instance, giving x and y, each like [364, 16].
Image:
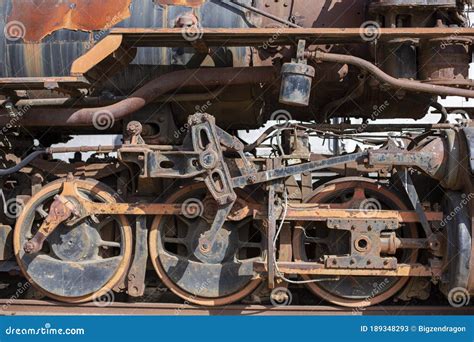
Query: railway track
[37, 307]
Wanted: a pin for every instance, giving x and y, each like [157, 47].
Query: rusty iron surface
[42, 17]
[173, 37]
[41, 307]
[187, 3]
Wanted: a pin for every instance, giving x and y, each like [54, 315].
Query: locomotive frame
[404, 239]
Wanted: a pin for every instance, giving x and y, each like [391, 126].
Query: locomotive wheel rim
[104, 193]
[162, 274]
[300, 253]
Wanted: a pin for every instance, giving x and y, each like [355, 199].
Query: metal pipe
[408, 85]
[444, 113]
[106, 148]
[97, 101]
[170, 82]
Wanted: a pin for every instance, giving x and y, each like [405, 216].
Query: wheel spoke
[174, 240]
[104, 222]
[250, 244]
[185, 220]
[113, 244]
[40, 210]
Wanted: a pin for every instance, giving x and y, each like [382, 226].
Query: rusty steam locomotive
[185, 202]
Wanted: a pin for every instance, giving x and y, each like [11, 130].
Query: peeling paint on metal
[41, 18]
[187, 3]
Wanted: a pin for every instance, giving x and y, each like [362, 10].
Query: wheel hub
[75, 243]
[207, 252]
[197, 270]
[331, 243]
[76, 263]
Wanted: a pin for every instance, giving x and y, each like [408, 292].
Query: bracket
[365, 244]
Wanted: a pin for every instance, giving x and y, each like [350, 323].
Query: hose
[23, 163]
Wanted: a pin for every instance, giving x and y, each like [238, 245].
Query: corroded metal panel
[73, 34]
[189, 3]
[42, 17]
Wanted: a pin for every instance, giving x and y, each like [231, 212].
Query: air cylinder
[296, 84]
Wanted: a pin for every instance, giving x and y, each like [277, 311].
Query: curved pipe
[23, 163]
[153, 90]
[444, 113]
[408, 85]
[208, 77]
